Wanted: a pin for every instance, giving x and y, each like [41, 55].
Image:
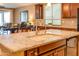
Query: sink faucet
[37, 30]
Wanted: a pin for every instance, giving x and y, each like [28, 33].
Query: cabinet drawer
[51, 46]
[51, 53]
[32, 52]
[56, 52]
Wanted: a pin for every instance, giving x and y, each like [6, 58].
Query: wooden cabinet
[32, 52]
[51, 53]
[57, 52]
[60, 51]
[74, 7]
[69, 10]
[39, 11]
[66, 10]
[52, 49]
[51, 46]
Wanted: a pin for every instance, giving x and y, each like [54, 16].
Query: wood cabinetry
[57, 52]
[39, 11]
[60, 51]
[32, 52]
[69, 10]
[51, 53]
[52, 49]
[66, 10]
[74, 7]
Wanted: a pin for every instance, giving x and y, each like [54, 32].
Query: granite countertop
[64, 33]
[28, 40]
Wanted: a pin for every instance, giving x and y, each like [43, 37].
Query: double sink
[49, 35]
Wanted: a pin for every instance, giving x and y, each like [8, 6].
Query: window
[4, 17]
[24, 16]
[48, 12]
[52, 14]
[1, 18]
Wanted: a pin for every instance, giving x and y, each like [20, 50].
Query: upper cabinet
[74, 7]
[69, 10]
[39, 11]
[66, 10]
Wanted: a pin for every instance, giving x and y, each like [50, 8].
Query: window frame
[51, 16]
[4, 16]
[26, 15]
[3, 13]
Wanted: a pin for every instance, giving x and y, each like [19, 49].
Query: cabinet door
[66, 10]
[60, 51]
[74, 7]
[39, 11]
[57, 52]
[69, 10]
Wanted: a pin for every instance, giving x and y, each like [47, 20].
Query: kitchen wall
[66, 22]
[69, 23]
[29, 8]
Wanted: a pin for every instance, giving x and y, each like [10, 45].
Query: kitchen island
[46, 43]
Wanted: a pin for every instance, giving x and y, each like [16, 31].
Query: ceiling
[14, 5]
